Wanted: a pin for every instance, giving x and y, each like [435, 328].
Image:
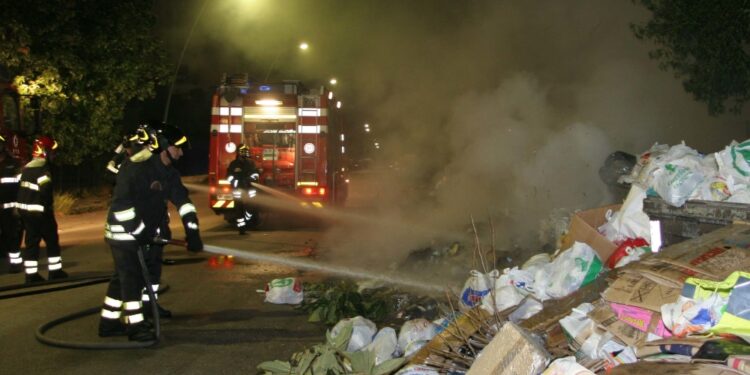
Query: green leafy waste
[337, 300]
[331, 358]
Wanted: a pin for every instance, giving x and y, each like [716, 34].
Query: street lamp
[333, 81]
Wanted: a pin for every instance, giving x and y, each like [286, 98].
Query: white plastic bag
[734, 161]
[362, 332]
[415, 333]
[418, 370]
[284, 291]
[676, 180]
[630, 221]
[476, 287]
[573, 268]
[528, 308]
[566, 366]
[504, 296]
[384, 345]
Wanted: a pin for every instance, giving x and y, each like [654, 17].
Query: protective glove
[194, 242]
[254, 177]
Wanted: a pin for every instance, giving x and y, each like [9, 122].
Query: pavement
[220, 325]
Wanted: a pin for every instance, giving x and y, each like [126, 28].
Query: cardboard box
[584, 228]
[511, 352]
[658, 279]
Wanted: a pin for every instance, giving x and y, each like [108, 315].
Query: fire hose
[42, 329]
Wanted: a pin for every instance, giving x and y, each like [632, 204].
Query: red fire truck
[295, 135]
[12, 125]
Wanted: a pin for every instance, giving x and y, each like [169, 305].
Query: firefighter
[35, 204]
[135, 213]
[171, 142]
[241, 173]
[10, 225]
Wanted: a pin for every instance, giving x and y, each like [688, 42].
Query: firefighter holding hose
[241, 173]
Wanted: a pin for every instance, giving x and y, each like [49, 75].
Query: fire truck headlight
[230, 147]
[252, 193]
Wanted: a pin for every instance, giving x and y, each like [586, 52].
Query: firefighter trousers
[124, 290]
[38, 227]
[10, 232]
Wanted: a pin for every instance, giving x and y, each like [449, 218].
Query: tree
[85, 59]
[707, 46]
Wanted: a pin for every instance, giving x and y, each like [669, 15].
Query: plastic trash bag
[732, 315]
[414, 333]
[734, 161]
[528, 308]
[572, 269]
[418, 370]
[676, 180]
[362, 332]
[476, 287]
[630, 221]
[566, 366]
[384, 345]
[628, 251]
[505, 295]
[284, 291]
[690, 316]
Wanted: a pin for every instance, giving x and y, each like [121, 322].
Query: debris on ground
[622, 293]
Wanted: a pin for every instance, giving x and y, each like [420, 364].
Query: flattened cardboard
[635, 290]
[584, 228]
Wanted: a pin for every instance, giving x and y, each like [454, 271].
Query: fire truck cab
[295, 136]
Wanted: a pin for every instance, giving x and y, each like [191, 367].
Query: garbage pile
[611, 300]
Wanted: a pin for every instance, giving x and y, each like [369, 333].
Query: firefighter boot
[57, 274]
[112, 327]
[33, 278]
[141, 332]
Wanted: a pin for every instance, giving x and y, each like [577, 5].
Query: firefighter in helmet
[241, 173]
[136, 211]
[153, 152]
[171, 141]
[10, 225]
[35, 204]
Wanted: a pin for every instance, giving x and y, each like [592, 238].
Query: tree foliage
[86, 59]
[707, 46]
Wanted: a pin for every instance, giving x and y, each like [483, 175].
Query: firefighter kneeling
[241, 174]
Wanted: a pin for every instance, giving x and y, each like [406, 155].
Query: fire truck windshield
[274, 139]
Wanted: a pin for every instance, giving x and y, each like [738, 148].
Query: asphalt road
[220, 325]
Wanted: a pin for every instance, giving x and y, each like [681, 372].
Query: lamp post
[179, 61]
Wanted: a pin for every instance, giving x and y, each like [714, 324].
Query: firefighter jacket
[10, 173]
[241, 173]
[35, 188]
[138, 204]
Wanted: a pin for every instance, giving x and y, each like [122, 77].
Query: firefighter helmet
[144, 136]
[43, 147]
[243, 151]
[173, 135]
